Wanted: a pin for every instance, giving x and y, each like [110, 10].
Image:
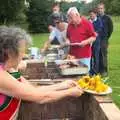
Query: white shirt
[93, 20]
[60, 35]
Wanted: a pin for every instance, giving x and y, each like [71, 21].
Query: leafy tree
[11, 11]
[114, 6]
[37, 14]
[65, 5]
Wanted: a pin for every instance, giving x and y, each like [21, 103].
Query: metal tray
[73, 71]
[79, 70]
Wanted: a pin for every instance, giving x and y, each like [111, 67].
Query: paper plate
[109, 91]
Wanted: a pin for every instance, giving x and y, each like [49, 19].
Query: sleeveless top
[9, 106]
[2, 97]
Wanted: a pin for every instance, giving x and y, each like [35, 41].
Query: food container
[78, 68]
[74, 71]
[34, 52]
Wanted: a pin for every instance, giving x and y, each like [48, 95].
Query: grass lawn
[114, 63]
[114, 59]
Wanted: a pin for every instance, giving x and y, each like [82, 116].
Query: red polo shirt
[79, 33]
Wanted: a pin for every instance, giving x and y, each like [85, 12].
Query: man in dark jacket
[106, 33]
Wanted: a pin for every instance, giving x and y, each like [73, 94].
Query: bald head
[72, 10]
[73, 15]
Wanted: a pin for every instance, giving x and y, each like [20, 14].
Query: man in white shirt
[58, 36]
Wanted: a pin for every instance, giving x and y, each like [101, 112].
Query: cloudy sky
[76, 0]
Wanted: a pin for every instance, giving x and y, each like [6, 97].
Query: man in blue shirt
[97, 24]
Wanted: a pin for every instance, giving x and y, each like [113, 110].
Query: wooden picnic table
[83, 108]
[86, 107]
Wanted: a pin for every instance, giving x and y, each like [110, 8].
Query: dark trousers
[95, 57]
[103, 57]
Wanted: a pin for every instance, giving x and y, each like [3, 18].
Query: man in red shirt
[81, 34]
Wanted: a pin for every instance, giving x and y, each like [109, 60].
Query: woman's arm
[11, 87]
[50, 39]
[57, 95]
[60, 86]
[58, 91]
[46, 46]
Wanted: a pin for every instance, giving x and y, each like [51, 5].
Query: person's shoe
[105, 74]
[105, 77]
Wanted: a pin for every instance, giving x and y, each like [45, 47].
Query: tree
[113, 6]
[37, 14]
[11, 11]
[65, 5]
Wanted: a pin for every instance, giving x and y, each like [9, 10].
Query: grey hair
[72, 10]
[9, 41]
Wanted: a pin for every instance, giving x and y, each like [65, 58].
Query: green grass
[114, 58]
[39, 39]
[114, 63]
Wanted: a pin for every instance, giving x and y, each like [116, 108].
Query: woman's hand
[68, 84]
[75, 91]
